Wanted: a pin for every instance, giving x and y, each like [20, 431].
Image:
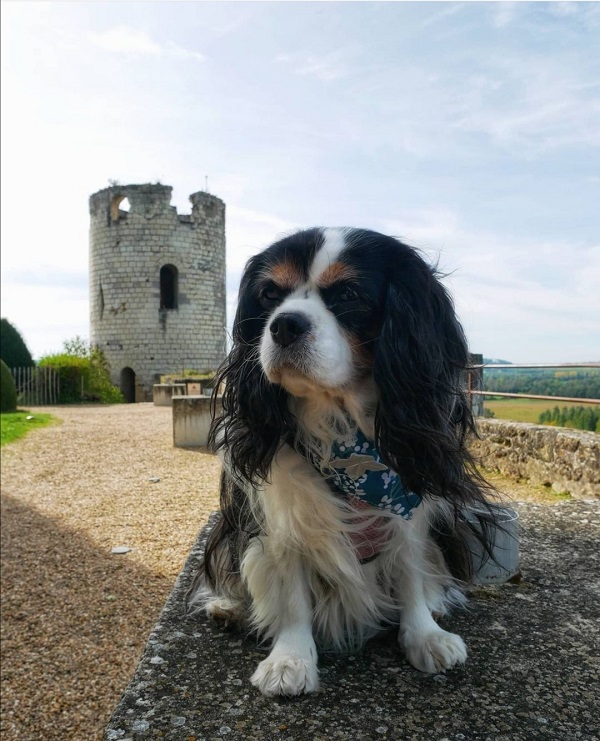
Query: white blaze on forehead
[333, 244]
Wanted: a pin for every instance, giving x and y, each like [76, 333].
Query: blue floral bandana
[356, 470]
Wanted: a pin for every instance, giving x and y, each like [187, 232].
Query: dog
[346, 474]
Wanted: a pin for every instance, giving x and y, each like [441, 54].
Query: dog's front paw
[435, 651]
[286, 675]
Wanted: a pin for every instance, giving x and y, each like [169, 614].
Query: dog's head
[322, 312]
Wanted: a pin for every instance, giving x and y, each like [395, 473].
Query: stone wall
[567, 460]
[127, 252]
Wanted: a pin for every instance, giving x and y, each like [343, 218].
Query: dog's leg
[281, 609]
[428, 647]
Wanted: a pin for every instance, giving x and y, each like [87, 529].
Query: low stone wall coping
[567, 460]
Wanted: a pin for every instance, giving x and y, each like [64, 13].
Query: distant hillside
[578, 383]
[496, 361]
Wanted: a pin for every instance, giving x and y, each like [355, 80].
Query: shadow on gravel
[66, 605]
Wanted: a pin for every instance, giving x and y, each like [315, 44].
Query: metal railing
[475, 381]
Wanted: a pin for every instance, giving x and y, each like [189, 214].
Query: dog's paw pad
[286, 675]
[436, 651]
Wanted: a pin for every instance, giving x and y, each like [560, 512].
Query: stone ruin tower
[157, 284]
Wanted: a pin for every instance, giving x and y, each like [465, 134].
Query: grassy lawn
[14, 425]
[525, 410]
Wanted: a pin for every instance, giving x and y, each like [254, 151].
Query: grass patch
[525, 410]
[522, 490]
[14, 425]
[558, 495]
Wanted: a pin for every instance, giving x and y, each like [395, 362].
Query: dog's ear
[255, 417]
[423, 414]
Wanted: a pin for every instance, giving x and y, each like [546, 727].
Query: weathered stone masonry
[157, 284]
[566, 460]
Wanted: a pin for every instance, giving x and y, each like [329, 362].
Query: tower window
[168, 287]
[119, 206]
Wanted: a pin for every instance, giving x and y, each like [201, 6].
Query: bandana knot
[356, 470]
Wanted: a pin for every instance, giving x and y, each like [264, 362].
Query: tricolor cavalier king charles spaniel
[345, 472]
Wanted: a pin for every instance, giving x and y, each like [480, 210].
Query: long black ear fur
[423, 417]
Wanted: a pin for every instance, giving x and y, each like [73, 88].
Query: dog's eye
[270, 296]
[347, 294]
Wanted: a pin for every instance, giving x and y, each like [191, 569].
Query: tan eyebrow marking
[336, 272]
[284, 274]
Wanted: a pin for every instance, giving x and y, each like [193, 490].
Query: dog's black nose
[286, 328]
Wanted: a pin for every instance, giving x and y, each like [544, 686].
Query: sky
[469, 130]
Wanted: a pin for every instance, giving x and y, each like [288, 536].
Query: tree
[13, 349]
[577, 418]
[77, 347]
[8, 390]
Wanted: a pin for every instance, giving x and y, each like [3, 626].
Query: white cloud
[562, 9]
[175, 50]
[503, 13]
[250, 231]
[530, 101]
[510, 293]
[449, 10]
[326, 67]
[126, 40]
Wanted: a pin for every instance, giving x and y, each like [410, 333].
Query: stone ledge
[530, 674]
[567, 460]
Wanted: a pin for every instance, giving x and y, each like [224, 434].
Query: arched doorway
[128, 385]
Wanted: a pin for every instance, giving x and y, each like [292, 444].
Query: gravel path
[75, 618]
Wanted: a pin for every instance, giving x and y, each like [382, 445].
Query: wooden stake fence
[37, 386]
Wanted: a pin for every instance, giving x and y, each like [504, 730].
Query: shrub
[8, 390]
[84, 374]
[73, 376]
[13, 349]
[205, 375]
[99, 381]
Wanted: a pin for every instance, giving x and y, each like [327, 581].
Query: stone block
[192, 416]
[163, 393]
